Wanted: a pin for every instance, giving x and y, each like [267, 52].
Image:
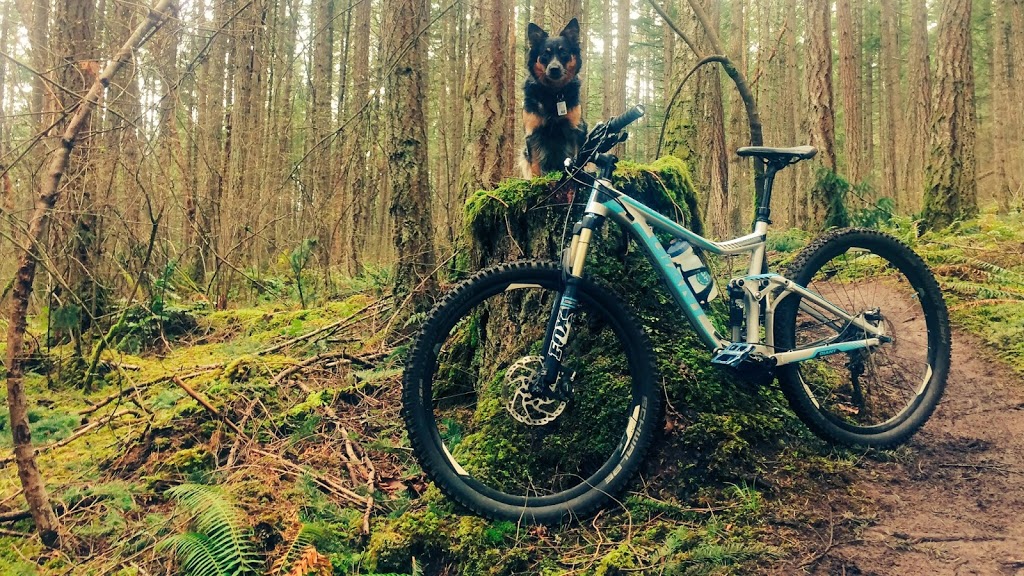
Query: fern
[220, 545]
[309, 535]
[985, 291]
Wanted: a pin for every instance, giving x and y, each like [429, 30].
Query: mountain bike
[531, 391]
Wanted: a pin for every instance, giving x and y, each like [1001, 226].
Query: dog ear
[535, 34]
[572, 32]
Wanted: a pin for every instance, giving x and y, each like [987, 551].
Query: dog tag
[560, 107]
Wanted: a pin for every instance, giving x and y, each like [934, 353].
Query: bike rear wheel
[875, 396]
[502, 451]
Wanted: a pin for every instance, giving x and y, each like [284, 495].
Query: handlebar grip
[620, 122]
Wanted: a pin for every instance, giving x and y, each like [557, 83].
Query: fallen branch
[920, 538]
[143, 385]
[980, 467]
[330, 328]
[371, 485]
[323, 356]
[15, 516]
[986, 302]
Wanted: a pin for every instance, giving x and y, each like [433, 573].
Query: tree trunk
[715, 167]
[6, 188]
[607, 72]
[321, 81]
[486, 92]
[406, 147]
[561, 11]
[1004, 104]
[919, 105]
[77, 69]
[624, 25]
[789, 184]
[31, 480]
[356, 178]
[950, 180]
[889, 64]
[740, 201]
[39, 34]
[868, 98]
[819, 92]
[849, 79]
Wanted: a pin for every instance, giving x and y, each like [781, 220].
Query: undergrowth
[162, 473]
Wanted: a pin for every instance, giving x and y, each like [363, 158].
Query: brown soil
[951, 502]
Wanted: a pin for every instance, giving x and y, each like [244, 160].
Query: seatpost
[764, 210]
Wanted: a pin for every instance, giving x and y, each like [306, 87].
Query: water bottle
[694, 272]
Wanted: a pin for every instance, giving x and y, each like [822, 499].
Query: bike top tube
[605, 200]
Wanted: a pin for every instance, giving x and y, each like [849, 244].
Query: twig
[143, 385]
[15, 516]
[371, 481]
[979, 467]
[986, 302]
[206, 404]
[831, 541]
[920, 538]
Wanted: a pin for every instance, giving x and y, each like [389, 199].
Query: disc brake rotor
[521, 404]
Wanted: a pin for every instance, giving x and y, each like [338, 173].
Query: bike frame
[761, 291]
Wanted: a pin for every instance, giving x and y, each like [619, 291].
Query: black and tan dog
[551, 101]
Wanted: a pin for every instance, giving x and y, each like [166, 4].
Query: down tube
[684, 298]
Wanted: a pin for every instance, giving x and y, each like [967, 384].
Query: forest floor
[950, 502]
[293, 415]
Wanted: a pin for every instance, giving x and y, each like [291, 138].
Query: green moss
[393, 544]
[15, 554]
[191, 460]
[618, 562]
[830, 190]
[526, 217]
[46, 425]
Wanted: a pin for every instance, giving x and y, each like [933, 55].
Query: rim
[481, 373]
[868, 390]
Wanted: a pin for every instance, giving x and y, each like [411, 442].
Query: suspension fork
[563, 310]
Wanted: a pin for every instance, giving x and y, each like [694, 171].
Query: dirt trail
[955, 504]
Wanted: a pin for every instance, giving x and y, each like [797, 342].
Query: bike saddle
[778, 155]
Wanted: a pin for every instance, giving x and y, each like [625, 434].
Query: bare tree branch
[47, 525]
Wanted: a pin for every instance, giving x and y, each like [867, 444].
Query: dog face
[554, 61]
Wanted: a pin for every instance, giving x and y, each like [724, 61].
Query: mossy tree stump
[527, 218]
[715, 418]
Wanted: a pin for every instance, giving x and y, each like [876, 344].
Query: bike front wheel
[485, 436]
[876, 396]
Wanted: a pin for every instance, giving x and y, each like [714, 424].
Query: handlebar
[619, 122]
[603, 138]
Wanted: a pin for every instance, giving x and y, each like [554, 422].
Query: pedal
[733, 355]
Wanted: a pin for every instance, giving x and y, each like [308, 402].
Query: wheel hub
[524, 406]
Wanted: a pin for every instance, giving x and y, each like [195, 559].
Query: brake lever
[610, 143]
